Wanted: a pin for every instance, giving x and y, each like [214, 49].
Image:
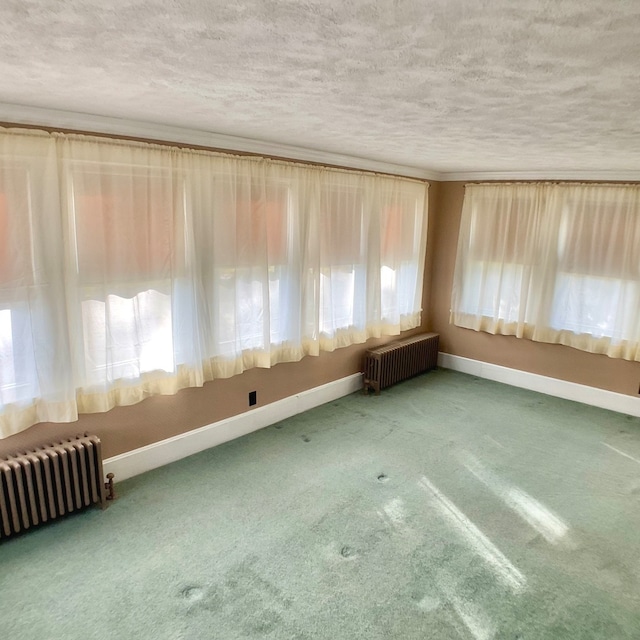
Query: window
[555, 263]
[123, 222]
[131, 269]
[35, 369]
[402, 226]
[500, 256]
[343, 258]
[598, 279]
[16, 279]
[16, 363]
[248, 272]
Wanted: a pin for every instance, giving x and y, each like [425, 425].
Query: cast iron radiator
[48, 482]
[399, 360]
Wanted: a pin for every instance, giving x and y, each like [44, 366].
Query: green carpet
[447, 507]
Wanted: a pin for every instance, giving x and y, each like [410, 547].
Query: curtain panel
[130, 269]
[556, 263]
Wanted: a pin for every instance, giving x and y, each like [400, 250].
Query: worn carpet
[448, 507]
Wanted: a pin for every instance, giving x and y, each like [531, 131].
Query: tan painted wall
[126, 428]
[159, 417]
[556, 361]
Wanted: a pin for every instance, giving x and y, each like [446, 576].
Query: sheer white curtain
[402, 247]
[131, 269]
[249, 254]
[552, 262]
[293, 260]
[370, 257]
[130, 294]
[344, 224]
[36, 380]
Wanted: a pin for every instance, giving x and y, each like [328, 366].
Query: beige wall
[556, 361]
[159, 417]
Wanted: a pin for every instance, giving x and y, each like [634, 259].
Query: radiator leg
[108, 485]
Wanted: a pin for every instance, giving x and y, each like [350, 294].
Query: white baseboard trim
[133, 463]
[543, 384]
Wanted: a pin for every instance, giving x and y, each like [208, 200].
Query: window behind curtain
[343, 258]
[15, 234]
[131, 269]
[123, 219]
[502, 231]
[552, 262]
[17, 362]
[401, 226]
[597, 283]
[36, 381]
[249, 277]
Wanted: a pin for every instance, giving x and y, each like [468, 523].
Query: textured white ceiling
[447, 85]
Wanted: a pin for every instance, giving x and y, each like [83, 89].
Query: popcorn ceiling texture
[447, 85]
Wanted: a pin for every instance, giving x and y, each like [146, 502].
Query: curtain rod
[231, 153]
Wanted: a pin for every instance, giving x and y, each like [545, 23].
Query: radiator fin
[48, 482]
[400, 360]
